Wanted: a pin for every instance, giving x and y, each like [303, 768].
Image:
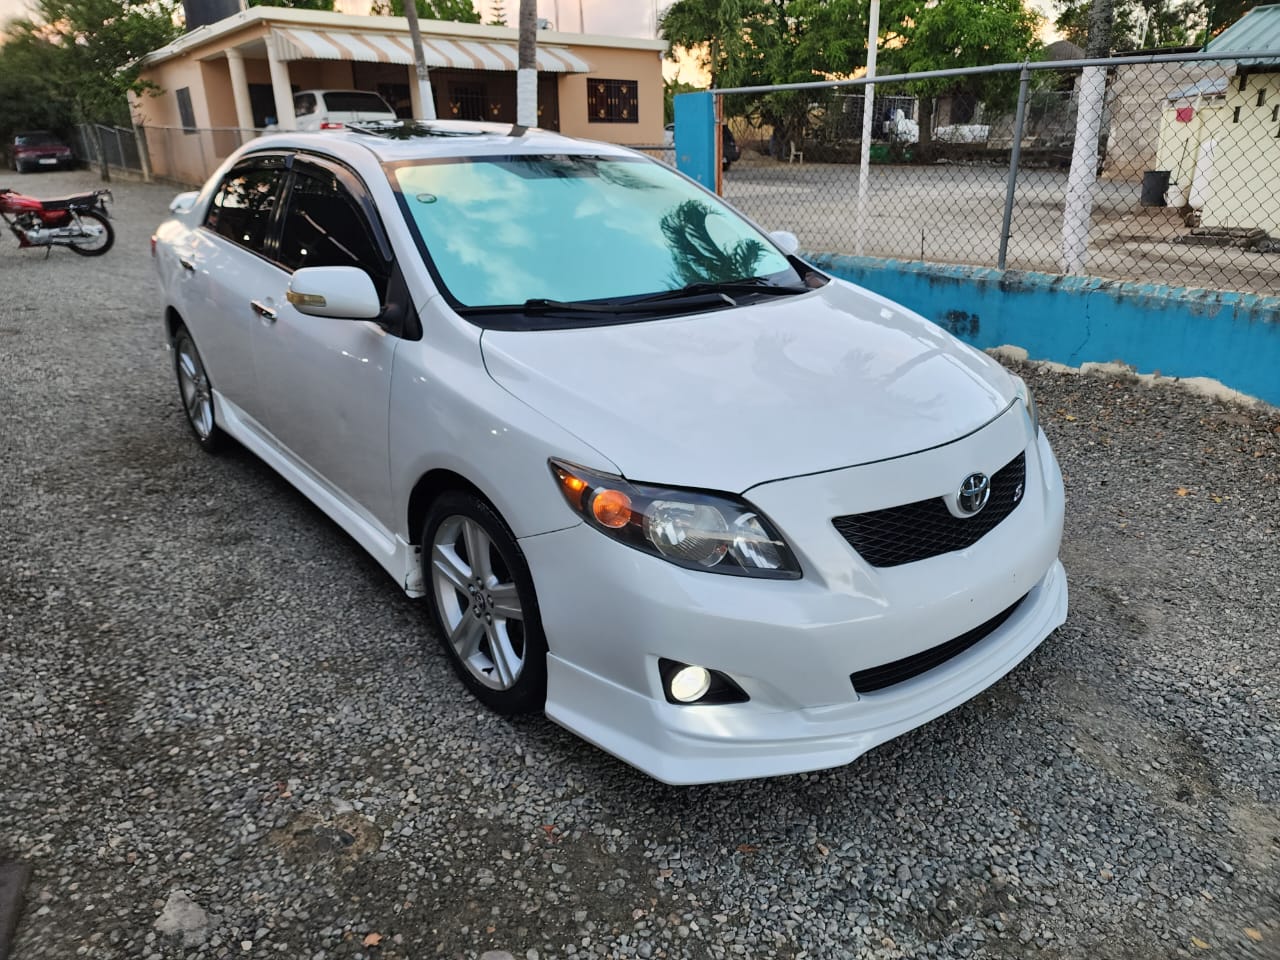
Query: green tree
[1145, 24]
[77, 60]
[964, 33]
[458, 11]
[761, 42]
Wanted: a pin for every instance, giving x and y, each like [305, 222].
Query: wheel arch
[430, 487]
[172, 321]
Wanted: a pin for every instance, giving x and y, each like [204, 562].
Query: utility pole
[1084, 152]
[527, 74]
[425, 96]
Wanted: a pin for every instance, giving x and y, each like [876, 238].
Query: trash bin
[1155, 184]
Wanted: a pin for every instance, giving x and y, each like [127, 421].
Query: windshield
[506, 230]
[353, 101]
[36, 140]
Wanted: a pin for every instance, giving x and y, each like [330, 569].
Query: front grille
[926, 528]
[886, 675]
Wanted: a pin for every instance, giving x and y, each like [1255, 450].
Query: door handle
[187, 264]
[262, 310]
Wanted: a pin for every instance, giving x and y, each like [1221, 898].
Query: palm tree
[698, 258]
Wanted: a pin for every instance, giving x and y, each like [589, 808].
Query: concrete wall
[643, 66]
[1231, 337]
[1137, 99]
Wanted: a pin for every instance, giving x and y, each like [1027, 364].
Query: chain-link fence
[1155, 169]
[95, 142]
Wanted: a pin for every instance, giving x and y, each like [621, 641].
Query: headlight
[1029, 401]
[701, 531]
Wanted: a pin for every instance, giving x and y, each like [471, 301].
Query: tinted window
[185, 112]
[501, 230]
[241, 209]
[355, 101]
[324, 227]
[35, 140]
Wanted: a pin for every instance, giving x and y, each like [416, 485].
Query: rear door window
[245, 201]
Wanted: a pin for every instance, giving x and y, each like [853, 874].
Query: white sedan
[718, 513]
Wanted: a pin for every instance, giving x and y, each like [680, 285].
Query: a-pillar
[280, 87]
[240, 91]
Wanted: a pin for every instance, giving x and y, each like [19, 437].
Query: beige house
[221, 83]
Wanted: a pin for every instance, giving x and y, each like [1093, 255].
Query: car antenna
[517, 130]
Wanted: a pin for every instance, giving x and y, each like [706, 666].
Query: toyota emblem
[974, 493]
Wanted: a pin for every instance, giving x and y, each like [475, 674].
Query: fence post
[144, 161]
[103, 169]
[1015, 157]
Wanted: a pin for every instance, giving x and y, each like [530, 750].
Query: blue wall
[696, 137]
[1231, 337]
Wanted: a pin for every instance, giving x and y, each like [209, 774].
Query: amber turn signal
[611, 508]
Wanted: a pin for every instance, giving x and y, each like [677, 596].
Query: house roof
[1259, 29]
[297, 22]
[1063, 50]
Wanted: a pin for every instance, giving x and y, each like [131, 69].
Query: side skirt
[398, 558]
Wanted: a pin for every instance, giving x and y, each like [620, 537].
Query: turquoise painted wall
[695, 137]
[1177, 332]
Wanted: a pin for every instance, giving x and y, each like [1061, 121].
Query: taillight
[326, 125]
[153, 245]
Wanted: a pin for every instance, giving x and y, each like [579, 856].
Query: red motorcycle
[79, 221]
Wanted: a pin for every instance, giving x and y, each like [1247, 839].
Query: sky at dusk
[630, 18]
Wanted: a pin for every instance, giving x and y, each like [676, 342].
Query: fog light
[689, 684]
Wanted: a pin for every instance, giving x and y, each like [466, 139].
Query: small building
[220, 84]
[1220, 136]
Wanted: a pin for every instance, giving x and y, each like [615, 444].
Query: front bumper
[611, 612]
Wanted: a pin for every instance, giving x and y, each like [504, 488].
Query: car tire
[483, 604]
[195, 392]
[20, 167]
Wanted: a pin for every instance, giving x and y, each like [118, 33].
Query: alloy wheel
[478, 603]
[193, 383]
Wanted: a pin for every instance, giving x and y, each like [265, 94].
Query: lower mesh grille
[886, 675]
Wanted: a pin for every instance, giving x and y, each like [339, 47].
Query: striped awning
[368, 46]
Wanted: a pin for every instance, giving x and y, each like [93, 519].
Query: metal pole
[144, 159]
[868, 109]
[1015, 156]
[1057, 65]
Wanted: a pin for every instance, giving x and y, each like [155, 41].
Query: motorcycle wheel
[95, 246]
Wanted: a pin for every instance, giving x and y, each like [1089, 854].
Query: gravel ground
[225, 733]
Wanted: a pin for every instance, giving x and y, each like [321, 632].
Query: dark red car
[39, 150]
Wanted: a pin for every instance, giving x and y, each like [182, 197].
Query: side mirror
[183, 202]
[346, 293]
[787, 241]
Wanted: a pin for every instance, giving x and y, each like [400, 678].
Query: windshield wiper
[745, 285]
[693, 299]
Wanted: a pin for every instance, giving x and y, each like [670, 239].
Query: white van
[334, 109]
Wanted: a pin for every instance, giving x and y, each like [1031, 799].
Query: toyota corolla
[713, 510]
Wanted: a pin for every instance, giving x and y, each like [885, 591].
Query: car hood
[729, 399]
